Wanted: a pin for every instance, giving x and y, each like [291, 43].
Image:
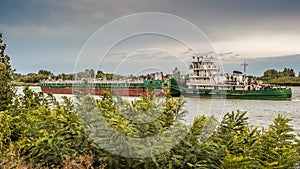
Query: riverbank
[284, 81]
[15, 83]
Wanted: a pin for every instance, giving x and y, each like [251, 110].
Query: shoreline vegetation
[285, 81]
[37, 131]
[287, 77]
[15, 83]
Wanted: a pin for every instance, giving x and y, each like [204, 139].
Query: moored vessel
[157, 87]
[207, 81]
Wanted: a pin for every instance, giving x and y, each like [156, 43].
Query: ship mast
[245, 68]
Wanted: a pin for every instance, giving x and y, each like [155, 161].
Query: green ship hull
[272, 94]
[265, 94]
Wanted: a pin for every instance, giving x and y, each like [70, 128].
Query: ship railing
[61, 81]
[89, 81]
[202, 68]
[199, 76]
[197, 83]
[117, 81]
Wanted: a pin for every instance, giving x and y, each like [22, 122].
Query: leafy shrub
[38, 132]
[6, 75]
[43, 130]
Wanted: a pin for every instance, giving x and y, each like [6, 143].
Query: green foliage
[272, 73]
[41, 75]
[100, 74]
[42, 130]
[45, 72]
[142, 128]
[109, 76]
[6, 76]
[194, 150]
[65, 76]
[34, 77]
[286, 77]
[7, 149]
[234, 144]
[238, 141]
[277, 146]
[289, 81]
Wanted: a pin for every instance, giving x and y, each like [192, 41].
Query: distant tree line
[286, 77]
[272, 73]
[45, 74]
[86, 74]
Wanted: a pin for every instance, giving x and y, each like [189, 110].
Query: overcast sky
[50, 34]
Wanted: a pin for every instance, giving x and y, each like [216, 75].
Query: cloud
[39, 30]
[256, 66]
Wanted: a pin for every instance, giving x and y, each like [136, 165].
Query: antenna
[245, 68]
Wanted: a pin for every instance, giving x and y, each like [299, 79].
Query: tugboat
[206, 81]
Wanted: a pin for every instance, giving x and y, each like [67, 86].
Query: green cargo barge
[99, 87]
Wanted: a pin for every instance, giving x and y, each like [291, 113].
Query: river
[261, 113]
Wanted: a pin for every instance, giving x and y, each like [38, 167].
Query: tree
[100, 74]
[45, 72]
[287, 72]
[6, 76]
[270, 73]
[90, 72]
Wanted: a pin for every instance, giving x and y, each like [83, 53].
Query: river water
[261, 113]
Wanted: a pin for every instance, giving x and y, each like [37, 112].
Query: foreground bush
[38, 132]
[6, 75]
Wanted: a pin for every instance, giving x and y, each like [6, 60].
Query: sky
[71, 35]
